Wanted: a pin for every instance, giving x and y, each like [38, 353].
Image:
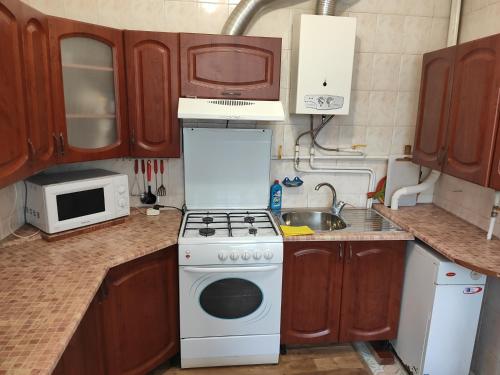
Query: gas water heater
[321, 65]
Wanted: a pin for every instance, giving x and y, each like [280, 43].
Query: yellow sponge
[296, 231]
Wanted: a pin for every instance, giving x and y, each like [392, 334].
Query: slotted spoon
[161, 192]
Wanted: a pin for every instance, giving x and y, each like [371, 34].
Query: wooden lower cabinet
[84, 353]
[371, 290]
[141, 313]
[132, 325]
[341, 291]
[312, 277]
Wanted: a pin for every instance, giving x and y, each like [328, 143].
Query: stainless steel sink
[316, 220]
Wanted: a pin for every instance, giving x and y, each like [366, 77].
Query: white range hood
[230, 109]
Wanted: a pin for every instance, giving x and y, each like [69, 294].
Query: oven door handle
[230, 269]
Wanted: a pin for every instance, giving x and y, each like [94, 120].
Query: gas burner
[206, 232]
[249, 219]
[252, 230]
[208, 220]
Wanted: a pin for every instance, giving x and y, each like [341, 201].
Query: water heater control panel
[324, 102]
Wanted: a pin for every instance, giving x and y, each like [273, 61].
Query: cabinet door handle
[61, 139]
[231, 93]
[350, 251]
[56, 144]
[32, 149]
[497, 109]
[341, 251]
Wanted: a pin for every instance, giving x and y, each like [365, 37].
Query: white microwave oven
[57, 202]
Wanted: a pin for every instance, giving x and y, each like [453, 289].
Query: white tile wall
[11, 208]
[391, 36]
[473, 203]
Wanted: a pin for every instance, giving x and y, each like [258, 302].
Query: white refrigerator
[440, 311]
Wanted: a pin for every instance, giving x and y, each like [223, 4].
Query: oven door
[230, 300]
[79, 203]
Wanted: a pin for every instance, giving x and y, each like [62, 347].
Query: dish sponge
[296, 231]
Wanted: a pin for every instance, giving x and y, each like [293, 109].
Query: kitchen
[391, 37]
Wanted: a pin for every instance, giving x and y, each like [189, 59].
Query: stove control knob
[222, 255]
[268, 254]
[246, 255]
[234, 255]
[257, 255]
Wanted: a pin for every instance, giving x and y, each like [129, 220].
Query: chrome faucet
[337, 206]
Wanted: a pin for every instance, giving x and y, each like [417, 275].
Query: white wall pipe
[424, 185]
[343, 170]
[348, 170]
[336, 157]
[454, 24]
[494, 214]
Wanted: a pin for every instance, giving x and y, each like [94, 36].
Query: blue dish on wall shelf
[296, 182]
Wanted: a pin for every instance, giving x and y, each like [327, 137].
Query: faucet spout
[337, 206]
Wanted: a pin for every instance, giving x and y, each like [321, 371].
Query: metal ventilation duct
[241, 16]
[325, 7]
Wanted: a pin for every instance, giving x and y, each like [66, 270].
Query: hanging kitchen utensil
[143, 170]
[135, 186]
[155, 165]
[161, 192]
[149, 197]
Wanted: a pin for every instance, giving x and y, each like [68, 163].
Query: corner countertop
[454, 238]
[363, 225]
[46, 287]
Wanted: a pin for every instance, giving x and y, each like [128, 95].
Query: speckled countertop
[46, 287]
[363, 225]
[459, 241]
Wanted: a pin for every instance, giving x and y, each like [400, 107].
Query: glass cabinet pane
[91, 132]
[89, 92]
[86, 51]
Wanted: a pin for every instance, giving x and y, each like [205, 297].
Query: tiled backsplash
[473, 203]
[11, 208]
[391, 36]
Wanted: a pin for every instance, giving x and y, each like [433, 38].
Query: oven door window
[80, 203]
[231, 298]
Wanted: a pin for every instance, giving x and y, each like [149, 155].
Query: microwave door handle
[230, 269]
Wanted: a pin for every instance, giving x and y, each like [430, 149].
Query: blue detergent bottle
[275, 199]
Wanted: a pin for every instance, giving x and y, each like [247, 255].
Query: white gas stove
[230, 251]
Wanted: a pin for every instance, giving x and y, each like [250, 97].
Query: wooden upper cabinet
[312, 277]
[222, 66]
[13, 145]
[88, 75]
[474, 110]
[434, 106]
[39, 113]
[140, 313]
[153, 93]
[371, 291]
